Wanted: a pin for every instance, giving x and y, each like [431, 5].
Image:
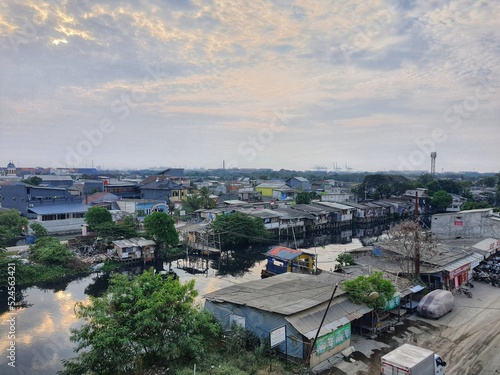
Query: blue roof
[59, 209]
[285, 253]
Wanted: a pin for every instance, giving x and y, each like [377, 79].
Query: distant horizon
[159, 168]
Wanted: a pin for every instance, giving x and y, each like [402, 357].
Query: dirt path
[468, 338]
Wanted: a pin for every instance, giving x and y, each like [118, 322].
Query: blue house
[299, 183]
[282, 259]
[296, 302]
[56, 209]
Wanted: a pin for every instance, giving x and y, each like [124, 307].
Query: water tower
[433, 163]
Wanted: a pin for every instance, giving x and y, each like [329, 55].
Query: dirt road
[468, 338]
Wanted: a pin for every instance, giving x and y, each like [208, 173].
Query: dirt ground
[467, 338]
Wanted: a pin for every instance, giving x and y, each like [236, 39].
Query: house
[299, 183]
[199, 238]
[135, 249]
[298, 303]
[479, 223]
[446, 267]
[456, 204]
[266, 188]
[142, 207]
[284, 194]
[121, 188]
[342, 213]
[56, 209]
[163, 188]
[282, 259]
[249, 194]
[270, 218]
[317, 216]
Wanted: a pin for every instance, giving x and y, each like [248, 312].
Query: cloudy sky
[294, 84]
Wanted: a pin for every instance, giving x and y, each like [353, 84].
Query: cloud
[223, 69]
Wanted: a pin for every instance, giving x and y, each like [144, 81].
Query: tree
[441, 199]
[50, 251]
[160, 227]
[191, 203]
[139, 325]
[361, 289]
[12, 227]
[239, 228]
[38, 230]
[303, 197]
[96, 216]
[205, 200]
[386, 185]
[471, 205]
[35, 181]
[403, 240]
[345, 259]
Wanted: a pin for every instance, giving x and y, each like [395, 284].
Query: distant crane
[336, 167]
[347, 168]
[433, 163]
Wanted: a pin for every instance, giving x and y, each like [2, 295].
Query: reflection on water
[42, 327]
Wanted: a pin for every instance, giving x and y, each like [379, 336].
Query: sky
[296, 84]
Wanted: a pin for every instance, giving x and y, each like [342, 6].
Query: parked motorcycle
[481, 276]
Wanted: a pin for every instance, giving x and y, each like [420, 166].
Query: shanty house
[282, 259]
[135, 249]
[297, 302]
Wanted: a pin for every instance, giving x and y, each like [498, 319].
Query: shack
[135, 249]
[294, 303]
[282, 259]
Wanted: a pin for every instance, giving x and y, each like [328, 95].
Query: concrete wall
[465, 224]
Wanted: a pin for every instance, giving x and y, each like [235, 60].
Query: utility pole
[417, 239]
[313, 342]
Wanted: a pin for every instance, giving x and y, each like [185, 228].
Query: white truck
[412, 360]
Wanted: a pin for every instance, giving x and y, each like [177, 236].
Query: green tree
[96, 216]
[160, 227]
[450, 186]
[191, 203]
[50, 251]
[205, 200]
[304, 197]
[362, 289]
[441, 199]
[111, 231]
[433, 186]
[38, 230]
[345, 259]
[35, 181]
[239, 228]
[386, 185]
[12, 226]
[471, 205]
[140, 325]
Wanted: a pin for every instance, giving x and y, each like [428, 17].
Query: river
[42, 325]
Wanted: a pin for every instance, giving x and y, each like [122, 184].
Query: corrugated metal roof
[59, 209]
[459, 263]
[281, 252]
[341, 312]
[285, 294]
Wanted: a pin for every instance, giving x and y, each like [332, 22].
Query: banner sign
[333, 339]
